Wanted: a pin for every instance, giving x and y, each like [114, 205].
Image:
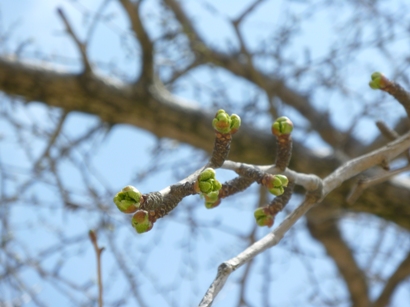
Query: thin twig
[98, 250]
[133, 12]
[367, 183]
[400, 274]
[328, 233]
[82, 47]
[390, 134]
[271, 239]
[52, 140]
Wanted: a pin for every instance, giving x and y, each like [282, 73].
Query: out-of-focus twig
[82, 47]
[401, 273]
[98, 252]
[363, 184]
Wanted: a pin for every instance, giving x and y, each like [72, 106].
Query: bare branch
[271, 239]
[98, 251]
[363, 184]
[386, 131]
[401, 273]
[390, 134]
[186, 24]
[274, 87]
[331, 182]
[147, 60]
[360, 164]
[327, 233]
[52, 140]
[247, 11]
[82, 47]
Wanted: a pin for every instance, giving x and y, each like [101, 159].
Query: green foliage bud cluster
[208, 186]
[376, 80]
[263, 218]
[282, 126]
[276, 184]
[225, 123]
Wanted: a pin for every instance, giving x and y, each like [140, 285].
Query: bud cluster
[207, 185]
[149, 207]
[225, 123]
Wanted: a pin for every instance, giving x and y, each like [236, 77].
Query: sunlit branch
[331, 182]
[271, 239]
[363, 184]
[360, 164]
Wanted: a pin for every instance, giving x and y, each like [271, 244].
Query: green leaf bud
[235, 123]
[281, 126]
[206, 174]
[376, 80]
[210, 205]
[211, 197]
[277, 191]
[222, 122]
[283, 180]
[140, 221]
[205, 186]
[276, 184]
[216, 185]
[128, 200]
[262, 218]
[206, 182]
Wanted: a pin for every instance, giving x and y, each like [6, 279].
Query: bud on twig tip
[224, 123]
[282, 126]
[128, 200]
[262, 218]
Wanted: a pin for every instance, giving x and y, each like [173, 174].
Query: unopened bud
[140, 221]
[128, 200]
[282, 125]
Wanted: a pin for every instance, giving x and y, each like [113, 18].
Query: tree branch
[331, 182]
[159, 112]
[327, 233]
[401, 273]
[98, 251]
[271, 239]
[82, 47]
[147, 61]
[272, 86]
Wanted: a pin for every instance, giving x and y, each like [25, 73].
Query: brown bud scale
[278, 203]
[221, 149]
[284, 151]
